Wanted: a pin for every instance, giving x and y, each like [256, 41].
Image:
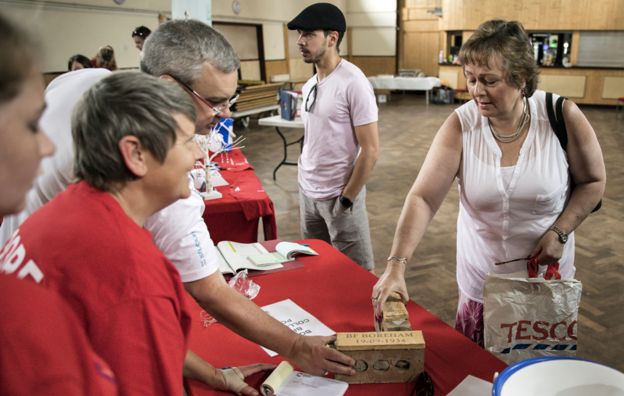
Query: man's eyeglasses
[216, 109]
[311, 98]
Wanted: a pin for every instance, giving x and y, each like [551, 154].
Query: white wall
[373, 27]
[84, 27]
[271, 14]
[67, 27]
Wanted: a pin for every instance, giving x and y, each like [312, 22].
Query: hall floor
[407, 127]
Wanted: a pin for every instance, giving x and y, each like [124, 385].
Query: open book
[234, 256]
[285, 381]
[285, 251]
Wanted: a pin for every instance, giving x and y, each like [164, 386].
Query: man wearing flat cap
[341, 142]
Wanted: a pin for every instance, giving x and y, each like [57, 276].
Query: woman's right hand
[233, 378]
[392, 280]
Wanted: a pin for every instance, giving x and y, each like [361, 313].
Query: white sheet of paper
[472, 386]
[302, 384]
[297, 319]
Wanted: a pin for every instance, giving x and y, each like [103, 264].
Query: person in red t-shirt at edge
[89, 243]
[43, 349]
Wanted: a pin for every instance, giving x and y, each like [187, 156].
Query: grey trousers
[347, 230]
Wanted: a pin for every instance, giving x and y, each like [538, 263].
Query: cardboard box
[385, 357]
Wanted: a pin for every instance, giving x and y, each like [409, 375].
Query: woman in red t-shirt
[43, 350]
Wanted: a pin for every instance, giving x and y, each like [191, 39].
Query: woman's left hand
[548, 249]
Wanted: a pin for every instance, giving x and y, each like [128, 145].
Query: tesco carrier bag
[532, 316]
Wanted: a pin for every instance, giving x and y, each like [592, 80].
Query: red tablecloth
[337, 291]
[235, 216]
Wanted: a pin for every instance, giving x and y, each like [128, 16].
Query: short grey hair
[179, 48]
[123, 104]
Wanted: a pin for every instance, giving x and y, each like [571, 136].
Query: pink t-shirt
[344, 100]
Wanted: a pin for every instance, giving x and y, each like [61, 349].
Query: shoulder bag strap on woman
[557, 123]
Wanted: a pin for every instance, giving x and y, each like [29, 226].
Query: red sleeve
[42, 348]
[144, 343]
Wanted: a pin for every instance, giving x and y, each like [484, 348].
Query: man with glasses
[204, 64]
[341, 143]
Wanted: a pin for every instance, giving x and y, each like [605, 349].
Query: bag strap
[557, 123]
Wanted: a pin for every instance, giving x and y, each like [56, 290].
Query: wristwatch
[346, 202]
[563, 237]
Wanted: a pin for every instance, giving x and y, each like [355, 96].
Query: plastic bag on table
[242, 283]
[198, 174]
[221, 136]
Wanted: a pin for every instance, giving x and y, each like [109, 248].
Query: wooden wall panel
[597, 81]
[453, 74]
[421, 51]
[374, 65]
[274, 67]
[250, 70]
[421, 25]
[568, 86]
[299, 70]
[48, 77]
[536, 14]
[574, 50]
[613, 88]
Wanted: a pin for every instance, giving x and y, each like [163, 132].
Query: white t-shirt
[344, 100]
[498, 222]
[178, 230]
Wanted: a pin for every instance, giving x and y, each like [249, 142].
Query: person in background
[77, 62]
[341, 142]
[43, 349]
[205, 65]
[139, 35]
[105, 58]
[521, 193]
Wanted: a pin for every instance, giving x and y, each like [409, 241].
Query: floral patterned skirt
[469, 319]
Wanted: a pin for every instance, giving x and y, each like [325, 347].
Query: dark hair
[83, 60]
[509, 41]
[19, 54]
[141, 31]
[122, 104]
[340, 36]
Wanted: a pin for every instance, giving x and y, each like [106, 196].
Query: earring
[523, 92]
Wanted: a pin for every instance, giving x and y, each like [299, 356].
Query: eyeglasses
[216, 110]
[311, 98]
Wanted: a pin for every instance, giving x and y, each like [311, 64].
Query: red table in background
[337, 291]
[236, 215]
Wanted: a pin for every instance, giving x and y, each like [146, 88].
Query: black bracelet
[346, 202]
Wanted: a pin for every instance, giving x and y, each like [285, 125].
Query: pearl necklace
[524, 120]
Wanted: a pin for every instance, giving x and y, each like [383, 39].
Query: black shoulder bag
[557, 123]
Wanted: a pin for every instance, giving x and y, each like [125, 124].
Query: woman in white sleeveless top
[514, 177]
